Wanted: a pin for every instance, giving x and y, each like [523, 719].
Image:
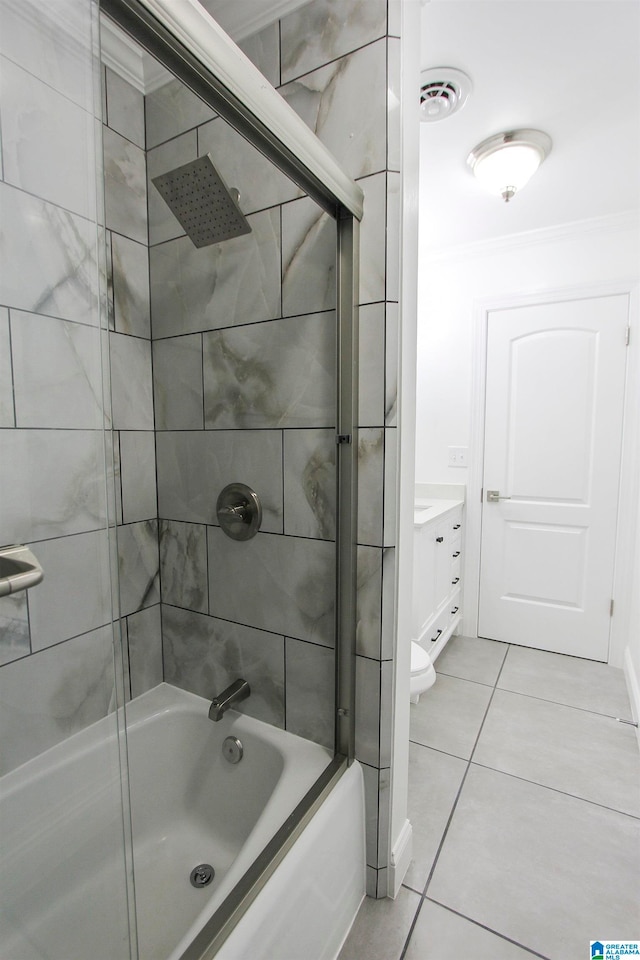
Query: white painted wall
[452, 285]
[632, 651]
[400, 843]
[452, 282]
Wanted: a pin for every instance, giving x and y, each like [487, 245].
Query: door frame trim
[629, 489]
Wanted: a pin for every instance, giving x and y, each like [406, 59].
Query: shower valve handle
[234, 513]
[239, 511]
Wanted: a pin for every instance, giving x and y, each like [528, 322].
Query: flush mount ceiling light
[443, 91]
[505, 162]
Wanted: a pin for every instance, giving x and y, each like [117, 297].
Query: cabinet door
[442, 539]
[424, 580]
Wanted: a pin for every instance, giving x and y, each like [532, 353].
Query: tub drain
[202, 875]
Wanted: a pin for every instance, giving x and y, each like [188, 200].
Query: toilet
[423, 674]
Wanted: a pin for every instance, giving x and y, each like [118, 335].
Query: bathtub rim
[155, 705]
[224, 920]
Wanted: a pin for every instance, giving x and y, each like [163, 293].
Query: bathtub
[63, 892]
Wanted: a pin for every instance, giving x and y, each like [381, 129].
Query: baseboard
[633, 686]
[400, 859]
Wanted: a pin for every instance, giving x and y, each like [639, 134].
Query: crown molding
[239, 20]
[123, 55]
[232, 84]
[611, 223]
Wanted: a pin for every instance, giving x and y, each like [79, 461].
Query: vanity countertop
[427, 509]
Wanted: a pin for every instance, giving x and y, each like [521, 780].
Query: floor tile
[582, 753]
[472, 658]
[541, 868]
[381, 928]
[434, 781]
[440, 934]
[570, 680]
[449, 715]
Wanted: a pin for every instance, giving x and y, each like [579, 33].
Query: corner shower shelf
[19, 570]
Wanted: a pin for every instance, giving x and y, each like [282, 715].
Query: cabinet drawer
[456, 572]
[438, 626]
[454, 605]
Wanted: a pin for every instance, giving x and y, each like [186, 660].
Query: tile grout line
[412, 927]
[563, 793]
[159, 520]
[424, 895]
[328, 63]
[558, 703]
[450, 817]
[14, 425]
[487, 766]
[237, 623]
[446, 753]
[454, 676]
[531, 696]
[471, 761]
[534, 953]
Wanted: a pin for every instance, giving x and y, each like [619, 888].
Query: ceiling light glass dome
[505, 162]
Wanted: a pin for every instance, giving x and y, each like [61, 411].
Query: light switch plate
[458, 456]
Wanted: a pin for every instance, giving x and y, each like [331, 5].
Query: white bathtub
[63, 892]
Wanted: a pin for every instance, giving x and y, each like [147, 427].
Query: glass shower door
[63, 856]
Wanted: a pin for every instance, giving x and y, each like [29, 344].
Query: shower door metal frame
[342, 198]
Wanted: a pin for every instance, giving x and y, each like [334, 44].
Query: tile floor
[524, 797]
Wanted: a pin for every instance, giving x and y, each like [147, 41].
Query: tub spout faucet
[239, 690]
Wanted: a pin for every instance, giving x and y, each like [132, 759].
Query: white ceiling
[568, 67]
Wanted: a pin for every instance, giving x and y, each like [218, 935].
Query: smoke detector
[443, 91]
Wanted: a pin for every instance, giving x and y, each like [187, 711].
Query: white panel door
[553, 432]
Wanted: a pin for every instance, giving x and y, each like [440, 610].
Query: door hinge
[628, 336]
[481, 494]
[611, 608]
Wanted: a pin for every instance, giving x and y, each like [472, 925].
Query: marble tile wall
[243, 339]
[56, 640]
[227, 354]
[243, 381]
[340, 70]
[58, 637]
[131, 378]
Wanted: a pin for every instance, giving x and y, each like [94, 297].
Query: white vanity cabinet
[437, 579]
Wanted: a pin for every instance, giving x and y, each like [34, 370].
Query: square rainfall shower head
[198, 197]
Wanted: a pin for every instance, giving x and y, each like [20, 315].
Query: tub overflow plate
[202, 875]
[232, 750]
